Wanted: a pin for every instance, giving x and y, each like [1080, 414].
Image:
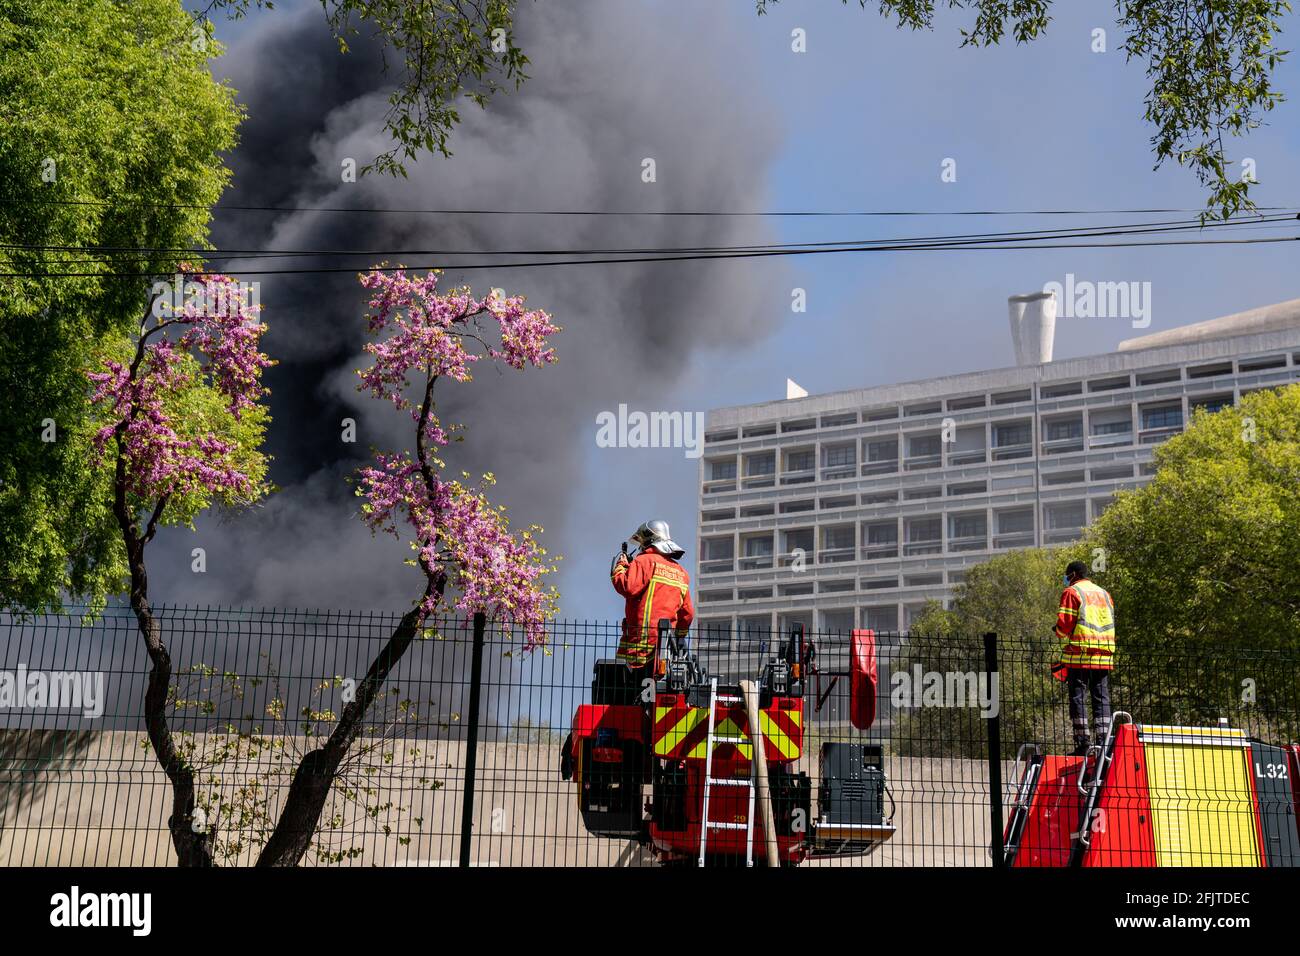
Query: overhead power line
[1176, 225]
[775, 213]
[467, 267]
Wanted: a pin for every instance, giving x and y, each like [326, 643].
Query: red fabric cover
[862, 679]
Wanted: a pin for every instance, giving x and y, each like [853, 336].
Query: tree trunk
[192, 848]
[315, 775]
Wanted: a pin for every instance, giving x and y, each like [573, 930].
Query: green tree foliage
[1014, 595]
[1210, 63]
[111, 135]
[1201, 564]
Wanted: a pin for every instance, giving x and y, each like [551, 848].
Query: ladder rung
[729, 782]
[727, 826]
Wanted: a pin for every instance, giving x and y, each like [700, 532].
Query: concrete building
[852, 509]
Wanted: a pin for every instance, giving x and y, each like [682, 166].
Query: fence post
[471, 744]
[994, 728]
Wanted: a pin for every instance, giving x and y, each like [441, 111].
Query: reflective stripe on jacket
[655, 587]
[1086, 626]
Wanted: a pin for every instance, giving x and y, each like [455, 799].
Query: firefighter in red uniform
[1085, 625]
[655, 587]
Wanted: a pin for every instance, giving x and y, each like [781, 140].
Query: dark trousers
[1085, 683]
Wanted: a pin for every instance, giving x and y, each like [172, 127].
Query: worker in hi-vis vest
[1085, 625]
[655, 587]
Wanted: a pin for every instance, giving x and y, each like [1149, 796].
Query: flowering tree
[180, 428]
[470, 560]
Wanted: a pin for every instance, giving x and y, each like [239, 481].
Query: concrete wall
[107, 804]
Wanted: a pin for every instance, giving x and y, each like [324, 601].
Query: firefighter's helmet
[655, 534]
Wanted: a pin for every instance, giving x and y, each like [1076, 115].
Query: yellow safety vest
[1093, 643]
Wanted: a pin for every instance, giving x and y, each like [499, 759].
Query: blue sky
[868, 114]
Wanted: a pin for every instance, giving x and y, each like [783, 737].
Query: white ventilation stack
[1033, 326]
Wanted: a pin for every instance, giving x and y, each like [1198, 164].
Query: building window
[1062, 521]
[1113, 428]
[799, 461]
[722, 470]
[886, 450]
[1213, 403]
[713, 630]
[968, 532]
[838, 456]
[1161, 376]
[1115, 473]
[1015, 522]
[717, 555]
[1011, 440]
[1060, 391]
[880, 539]
[1259, 364]
[837, 544]
[919, 446]
[924, 536]
[800, 539]
[837, 622]
[1210, 371]
[1169, 417]
[839, 537]
[1012, 433]
[880, 618]
[761, 464]
[923, 451]
[758, 553]
[1061, 430]
[1166, 416]
[919, 494]
[835, 421]
[880, 498]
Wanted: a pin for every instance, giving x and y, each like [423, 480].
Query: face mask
[1065, 579]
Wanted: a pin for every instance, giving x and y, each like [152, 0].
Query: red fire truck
[1157, 795]
[722, 787]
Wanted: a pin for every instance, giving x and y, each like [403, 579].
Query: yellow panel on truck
[1202, 801]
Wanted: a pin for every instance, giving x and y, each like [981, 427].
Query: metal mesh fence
[255, 691]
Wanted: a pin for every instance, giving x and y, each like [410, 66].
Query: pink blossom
[454, 530]
[134, 398]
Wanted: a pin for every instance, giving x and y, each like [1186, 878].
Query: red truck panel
[629, 721]
[1054, 811]
[1123, 834]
